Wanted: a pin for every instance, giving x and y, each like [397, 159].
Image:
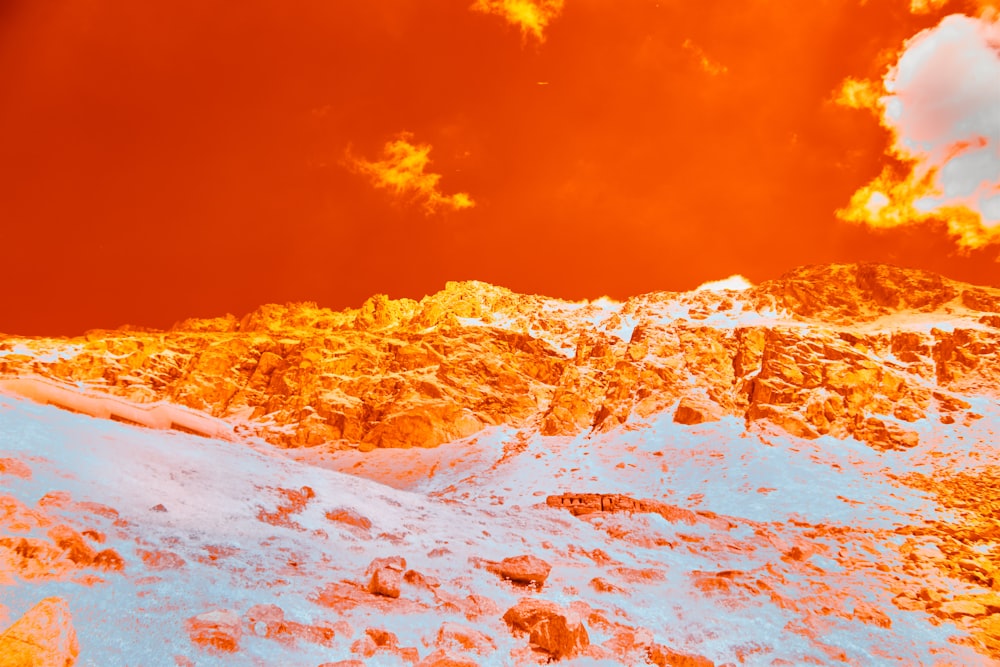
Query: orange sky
[173, 158]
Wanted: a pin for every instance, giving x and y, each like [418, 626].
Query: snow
[485, 505]
[53, 353]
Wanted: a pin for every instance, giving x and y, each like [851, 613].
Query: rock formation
[842, 350]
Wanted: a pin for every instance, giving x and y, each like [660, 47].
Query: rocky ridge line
[861, 351]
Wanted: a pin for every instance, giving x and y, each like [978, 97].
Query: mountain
[796, 472]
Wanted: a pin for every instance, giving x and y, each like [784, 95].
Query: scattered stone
[158, 508]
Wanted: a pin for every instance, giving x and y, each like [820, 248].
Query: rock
[420, 374]
[603, 586]
[43, 637]
[109, 560]
[349, 517]
[161, 560]
[962, 608]
[526, 570]
[556, 632]
[377, 640]
[385, 576]
[218, 630]
[692, 411]
[443, 658]
[73, 545]
[661, 656]
[265, 620]
[467, 638]
[14, 468]
[477, 606]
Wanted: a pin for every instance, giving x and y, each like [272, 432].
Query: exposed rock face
[860, 351]
[553, 631]
[43, 637]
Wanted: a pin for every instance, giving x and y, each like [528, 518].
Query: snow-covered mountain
[799, 472]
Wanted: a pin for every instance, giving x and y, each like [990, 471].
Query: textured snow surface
[485, 498]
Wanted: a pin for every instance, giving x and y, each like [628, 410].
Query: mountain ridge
[847, 350]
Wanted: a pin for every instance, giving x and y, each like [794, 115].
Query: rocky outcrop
[847, 351]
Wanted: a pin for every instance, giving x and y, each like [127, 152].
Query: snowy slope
[799, 552]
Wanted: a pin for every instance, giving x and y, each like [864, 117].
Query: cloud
[708, 65]
[402, 170]
[926, 6]
[531, 16]
[941, 102]
[734, 282]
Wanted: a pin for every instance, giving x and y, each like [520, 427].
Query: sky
[179, 158]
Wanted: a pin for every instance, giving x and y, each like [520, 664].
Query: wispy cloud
[941, 103]
[926, 6]
[707, 64]
[403, 171]
[532, 17]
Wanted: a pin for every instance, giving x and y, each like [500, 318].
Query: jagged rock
[552, 630]
[43, 637]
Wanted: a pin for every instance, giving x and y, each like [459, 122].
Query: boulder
[691, 410]
[526, 570]
[385, 576]
[43, 637]
[73, 545]
[552, 630]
